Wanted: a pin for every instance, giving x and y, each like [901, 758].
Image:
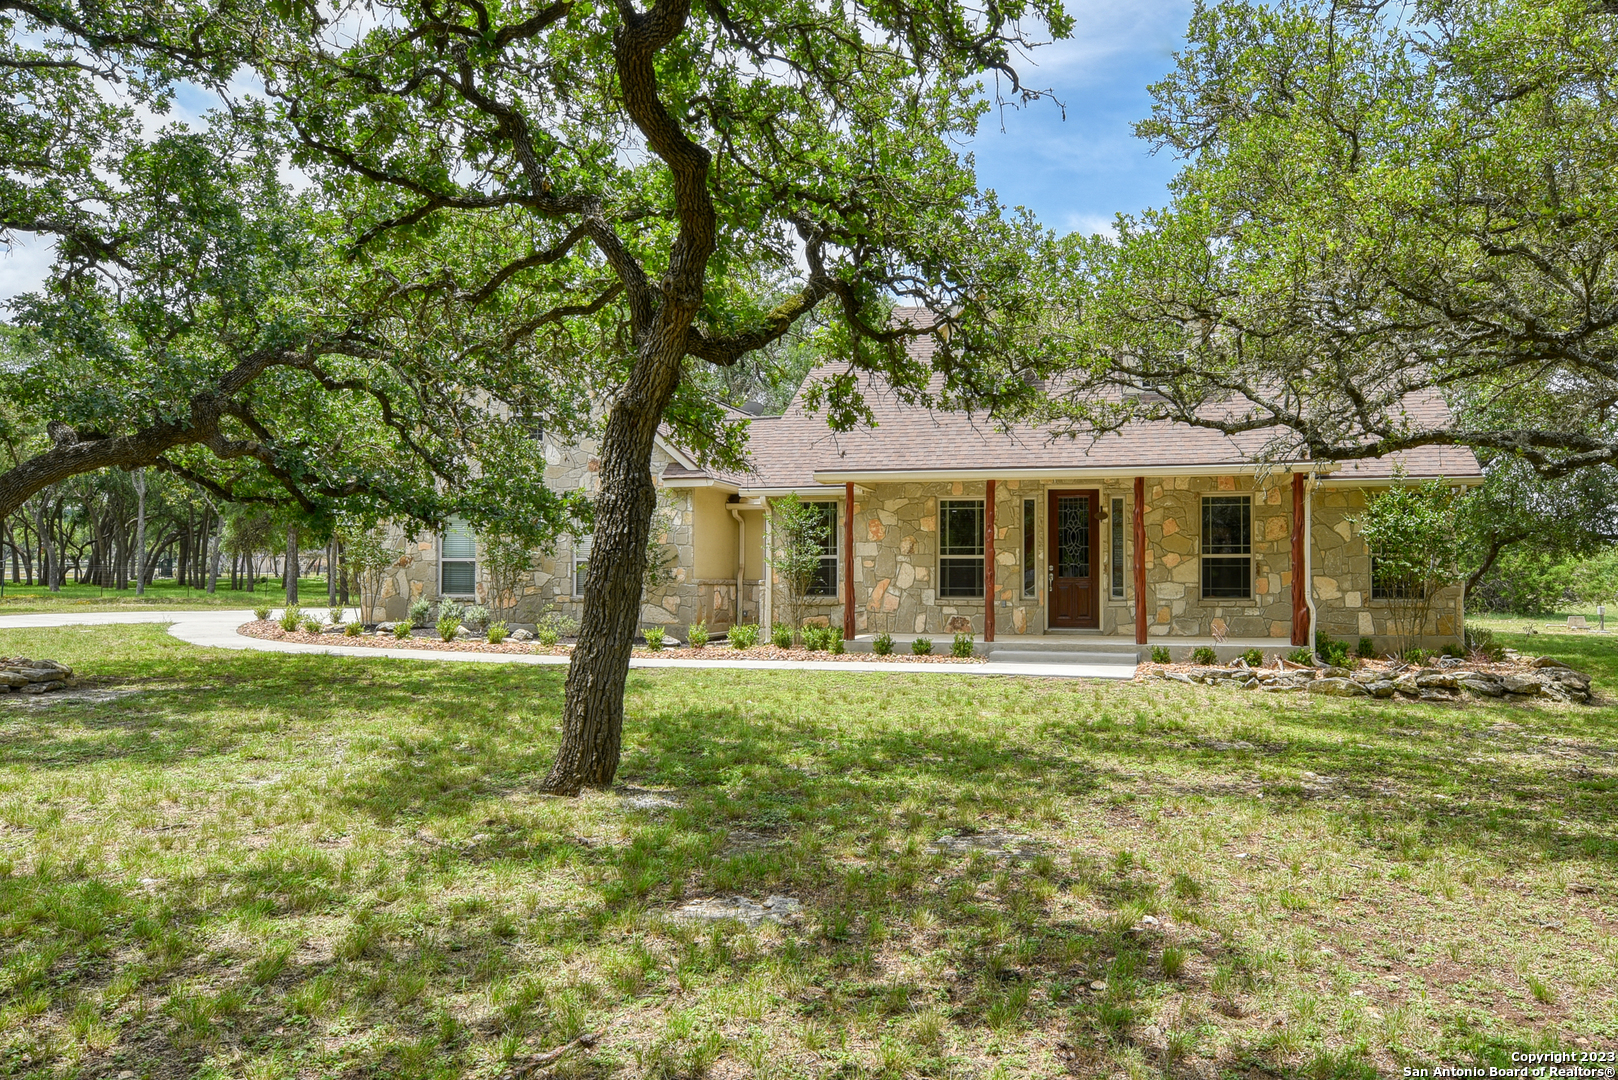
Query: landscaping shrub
[922, 646]
[262, 614]
[291, 617]
[548, 637]
[1301, 655]
[1418, 656]
[559, 624]
[355, 629]
[1204, 654]
[335, 616]
[1331, 650]
[401, 630]
[476, 617]
[834, 640]
[883, 645]
[781, 636]
[1160, 655]
[653, 636]
[421, 611]
[497, 632]
[1481, 644]
[1254, 657]
[961, 647]
[697, 634]
[451, 609]
[743, 636]
[1366, 650]
[447, 627]
[311, 625]
[814, 638]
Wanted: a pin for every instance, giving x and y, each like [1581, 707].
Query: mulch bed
[428, 641]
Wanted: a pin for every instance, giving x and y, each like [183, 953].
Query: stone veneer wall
[1342, 579]
[550, 585]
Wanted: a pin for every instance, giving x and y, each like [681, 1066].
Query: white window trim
[472, 595]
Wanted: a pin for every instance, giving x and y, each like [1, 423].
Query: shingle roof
[788, 451]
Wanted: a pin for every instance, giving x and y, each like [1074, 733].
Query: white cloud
[23, 265]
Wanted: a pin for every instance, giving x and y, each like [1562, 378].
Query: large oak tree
[1377, 205]
[617, 181]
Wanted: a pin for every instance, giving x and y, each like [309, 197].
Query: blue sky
[1075, 173]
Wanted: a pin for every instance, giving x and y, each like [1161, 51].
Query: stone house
[938, 523]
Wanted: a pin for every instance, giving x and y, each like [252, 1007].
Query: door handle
[1050, 577]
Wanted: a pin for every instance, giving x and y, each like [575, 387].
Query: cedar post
[1140, 560]
[848, 564]
[988, 560]
[1300, 587]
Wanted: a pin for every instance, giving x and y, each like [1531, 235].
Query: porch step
[1020, 655]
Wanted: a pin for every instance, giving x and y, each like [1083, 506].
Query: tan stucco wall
[713, 535]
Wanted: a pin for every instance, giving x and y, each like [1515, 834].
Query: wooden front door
[1074, 557]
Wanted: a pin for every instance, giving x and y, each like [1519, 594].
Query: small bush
[1419, 657]
[421, 611]
[961, 647]
[547, 636]
[883, 645]
[262, 614]
[311, 625]
[1366, 649]
[1204, 654]
[497, 632]
[401, 630]
[834, 641]
[447, 628]
[291, 617]
[355, 629]
[1160, 655]
[451, 609]
[1301, 655]
[1254, 657]
[563, 625]
[922, 646]
[814, 638]
[335, 616]
[476, 617]
[653, 636]
[696, 635]
[781, 636]
[1481, 644]
[743, 636]
[1331, 650]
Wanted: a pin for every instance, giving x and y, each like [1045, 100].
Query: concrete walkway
[217, 629]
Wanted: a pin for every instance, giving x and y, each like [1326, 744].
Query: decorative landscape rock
[1515, 677]
[20, 675]
[521, 635]
[776, 909]
[998, 844]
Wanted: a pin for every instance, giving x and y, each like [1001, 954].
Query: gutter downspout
[741, 556]
[766, 616]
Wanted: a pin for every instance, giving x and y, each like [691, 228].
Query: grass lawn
[23, 599]
[259, 866]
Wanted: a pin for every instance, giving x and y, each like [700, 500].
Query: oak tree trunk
[593, 709]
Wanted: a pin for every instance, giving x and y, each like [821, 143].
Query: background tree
[610, 193]
[1378, 207]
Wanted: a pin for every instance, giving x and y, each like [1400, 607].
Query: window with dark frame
[457, 560]
[1029, 583]
[1117, 549]
[1389, 585]
[825, 580]
[960, 548]
[1227, 547]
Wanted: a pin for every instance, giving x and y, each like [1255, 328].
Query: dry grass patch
[265, 866]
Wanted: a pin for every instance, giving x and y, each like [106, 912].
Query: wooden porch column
[1300, 587]
[988, 560]
[1140, 560]
[848, 563]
